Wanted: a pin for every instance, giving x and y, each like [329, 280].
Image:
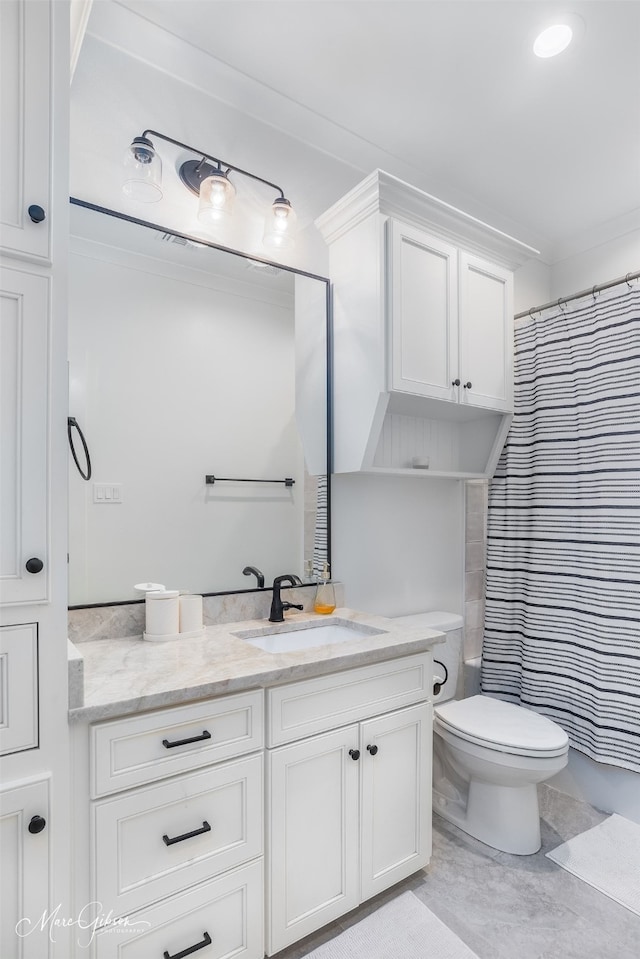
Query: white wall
[531, 285]
[171, 378]
[603, 262]
[398, 542]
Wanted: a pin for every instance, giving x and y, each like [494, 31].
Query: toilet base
[504, 817]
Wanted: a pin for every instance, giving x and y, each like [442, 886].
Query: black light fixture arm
[218, 163]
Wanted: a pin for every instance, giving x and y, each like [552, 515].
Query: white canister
[190, 613]
[162, 609]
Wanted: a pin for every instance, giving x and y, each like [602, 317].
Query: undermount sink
[288, 639]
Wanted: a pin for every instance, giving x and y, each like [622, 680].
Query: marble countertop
[117, 677]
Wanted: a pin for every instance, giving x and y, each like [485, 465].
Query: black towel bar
[211, 480]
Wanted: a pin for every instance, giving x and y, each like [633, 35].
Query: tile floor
[513, 907]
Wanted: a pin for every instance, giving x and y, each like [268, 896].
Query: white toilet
[489, 755]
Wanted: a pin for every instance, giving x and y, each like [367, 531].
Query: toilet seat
[503, 727]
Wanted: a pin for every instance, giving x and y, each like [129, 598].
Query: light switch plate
[107, 494]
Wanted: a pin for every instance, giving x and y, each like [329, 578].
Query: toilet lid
[500, 725]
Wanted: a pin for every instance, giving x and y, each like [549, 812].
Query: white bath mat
[401, 929]
[608, 858]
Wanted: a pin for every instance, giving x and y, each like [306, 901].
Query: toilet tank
[447, 654]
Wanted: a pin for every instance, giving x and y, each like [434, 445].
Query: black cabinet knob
[36, 213]
[36, 824]
[467, 385]
[456, 382]
[355, 754]
[34, 565]
[372, 749]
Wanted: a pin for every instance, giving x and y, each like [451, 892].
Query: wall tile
[475, 556]
[474, 585]
[474, 615]
[472, 642]
[476, 496]
[475, 527]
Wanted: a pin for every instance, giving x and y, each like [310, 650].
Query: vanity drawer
[228, 910]
[153, 842]
[311, 706]
[18, 688]
[140, 749]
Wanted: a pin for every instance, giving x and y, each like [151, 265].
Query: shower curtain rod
[576, 296]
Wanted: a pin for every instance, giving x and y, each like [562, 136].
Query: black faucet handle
[293, 606]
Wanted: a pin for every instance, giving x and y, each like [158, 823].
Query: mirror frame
[117, 214]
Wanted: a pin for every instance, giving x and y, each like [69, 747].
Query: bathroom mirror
[189, 361]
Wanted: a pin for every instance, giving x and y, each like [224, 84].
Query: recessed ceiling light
[553, 40]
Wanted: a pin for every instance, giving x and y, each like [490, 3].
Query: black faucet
[248, 570]
[277, 606]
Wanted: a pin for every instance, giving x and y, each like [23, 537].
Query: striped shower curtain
[562, 622]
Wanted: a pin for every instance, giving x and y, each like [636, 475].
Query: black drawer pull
[373, 750]
[183, 742]
[190, 951]
[187, 835]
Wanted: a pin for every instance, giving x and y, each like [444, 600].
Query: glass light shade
[280, 225]
[217, 194]
[553, 40]
[142, 172]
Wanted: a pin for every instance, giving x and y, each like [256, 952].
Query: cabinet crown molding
[385, 194]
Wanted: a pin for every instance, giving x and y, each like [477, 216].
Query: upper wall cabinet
[450, 321]
[25, 145]
[423, 316]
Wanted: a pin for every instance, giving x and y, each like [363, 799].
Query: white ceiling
[447, 95]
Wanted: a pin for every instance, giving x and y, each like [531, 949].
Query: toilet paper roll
[190, 613]
[162, 612]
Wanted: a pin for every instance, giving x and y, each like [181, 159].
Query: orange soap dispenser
[325, 601]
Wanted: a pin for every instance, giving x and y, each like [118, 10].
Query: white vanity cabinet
[34, 193]
[24, 383]
[450, 321]
[25, 149]
[348, 807]
[423, 313]
[177, 829]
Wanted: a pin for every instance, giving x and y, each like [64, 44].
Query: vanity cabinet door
[24, 351]
[25, 152]
[423, 313]
[313, 870]
[486, 334]
[24, 871]
[396, 797]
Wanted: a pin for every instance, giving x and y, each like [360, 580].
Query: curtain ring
[531, 312]
[626, 280]
[561, 304]
[594, 292]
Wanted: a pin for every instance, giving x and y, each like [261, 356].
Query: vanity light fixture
[209, 179]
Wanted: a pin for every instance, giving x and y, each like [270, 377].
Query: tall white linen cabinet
[34, 767]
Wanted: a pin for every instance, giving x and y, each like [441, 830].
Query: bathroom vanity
[236, 799]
